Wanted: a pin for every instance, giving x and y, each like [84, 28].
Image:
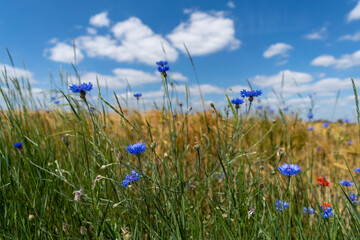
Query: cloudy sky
[313, 45]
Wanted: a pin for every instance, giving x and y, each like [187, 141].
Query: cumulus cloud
[351, 37]
[205, 33]
[230, 4]
[177, 77]
[317, 35]
[345, 61]
[291, 79]
[133, 41]
[121, 77]
[14, 72]
[100, 20]
[63, 52]
[280, 49]
[355, 13]
[292, 83]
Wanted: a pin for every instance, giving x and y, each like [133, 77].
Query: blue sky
[315, 43]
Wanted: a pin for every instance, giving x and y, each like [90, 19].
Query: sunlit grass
[204, 175]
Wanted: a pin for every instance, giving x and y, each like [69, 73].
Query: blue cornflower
[133, 177]
[346, 121]
[18, 145]
[289, 170]
[136, 149]
[310, 116]
[47, 111]
[319, 148]
[259, 107]
[354, 198]
[163, 67]
[82, 89]
[161, 63]
[137, 95]
[53, 98]
[285, 108]
[222, 175]
[309, 210]
[57, 102]
[280, 206]
[327, 212]
[326, 125]
[346, 183]
[350, 142]
[311, 128]
[237, 101]
[357, 170]
[250, 94]
[271, 111]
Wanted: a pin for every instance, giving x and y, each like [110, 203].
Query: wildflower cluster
[281, 206]
[136, 149]
[82, 89]
[137, 95]
[18, 145]
[250, 94]
[133, 177]
[346, 183]
[323, 182]
[354, 198]
[163, 67]
[237, 102]
[327, 212]
[289, 170]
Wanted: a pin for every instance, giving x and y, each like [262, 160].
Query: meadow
[87, 168]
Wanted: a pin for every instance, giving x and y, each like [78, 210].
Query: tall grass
[206, 175]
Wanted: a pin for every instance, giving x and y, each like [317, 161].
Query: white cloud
[299, 82]
[205, 89]
[237, 88]
[139, 42]
[323, 60]
[355, 13]
[318, 35]
[100, 20]
[122, 76]
[91, 31]
[63, 52]
[14, 72]
[230, 4]
[205, 33]
[354, 37]
[134, 42]
[345, 61]
[277, 49]
[275, 81]
[177, 76]
[331, 85]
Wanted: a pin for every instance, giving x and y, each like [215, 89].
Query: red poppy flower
[325, 205]
[323, 182]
